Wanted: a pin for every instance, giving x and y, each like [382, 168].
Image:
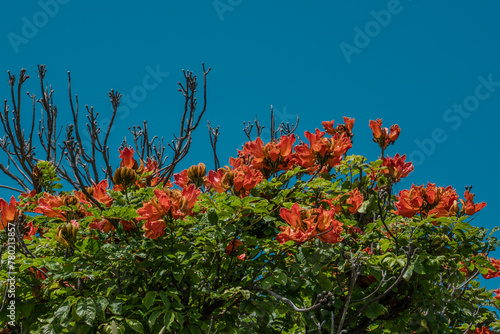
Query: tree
[288, 238]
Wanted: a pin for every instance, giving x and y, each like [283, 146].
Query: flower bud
[71, 200]
[183, 204]
[124, 176]
[66, 234]
[227, 180]
[462, 211]
[454, 208]
[196, 174]
[90, 190]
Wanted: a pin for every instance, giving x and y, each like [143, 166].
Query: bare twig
[322, 299]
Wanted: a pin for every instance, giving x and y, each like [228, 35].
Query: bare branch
[322, 299]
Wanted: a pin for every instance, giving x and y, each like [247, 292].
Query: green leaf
[48, 329]
[62, 312]
[418, 267]
[281, 278]
[409, 272]
[101, 305]
[92, 246]
[375, 310]
[178, 274]
[115, 306]
[153, 317]
[135, 325]
[213, 219]
[166, 300]
[364, 206]
[267, 283]
[86, 310]
[149, 299]
[384, 244]
[169, 319]
[325, 282]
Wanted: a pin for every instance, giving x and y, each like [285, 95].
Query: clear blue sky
[433, 68]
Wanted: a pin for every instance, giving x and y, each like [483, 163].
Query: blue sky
[431, 67]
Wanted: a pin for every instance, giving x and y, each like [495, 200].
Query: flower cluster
[341, 128]
[484, 330]
[322, 151]
[432, 200]
[493, 273]
[270, 158]
[305, 224]
[382, 136]
[396, 168]
[8, 212]
[349, 202]
[194, 175]
[166, 204]
[239, 177]
[131, 172]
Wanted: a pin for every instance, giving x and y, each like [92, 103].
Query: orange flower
[154, 229]
[152, 167]
[48, 205]
[272, 157]
[341, 128]
[127, 156]
[497, 293]
[397, 168]
[181, 179]
[305, 224]
[215, 180]
[39, 273]
[233, 246]
[409, 202]
[100, 194]
[382, 136]
[127, 226]
[103, 225]
[169, 202]
[156, 208]
[239, 177]
[463, 269]
[484, 330]
[395, 131]
[30, 232]
[493, 273]
[431, 200]
[353, 202]
[326, 222]
[8, 212]
[305, 157]
[468, 207]
[98, 191]
[322, 151]
[245, 179]
[376, 127]
[194, 175]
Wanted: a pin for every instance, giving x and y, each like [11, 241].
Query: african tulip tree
[287, 238]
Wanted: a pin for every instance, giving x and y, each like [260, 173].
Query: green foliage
[387, 274]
